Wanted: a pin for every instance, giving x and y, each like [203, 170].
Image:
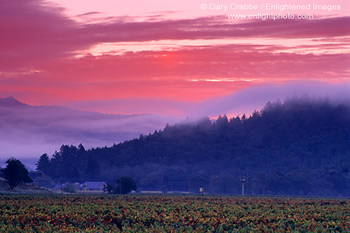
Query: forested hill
[298, 147]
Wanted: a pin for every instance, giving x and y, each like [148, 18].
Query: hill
[11, 102]
[26, 131]
[299, 147]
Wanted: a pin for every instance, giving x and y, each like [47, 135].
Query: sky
[163, 56]
[173, 59]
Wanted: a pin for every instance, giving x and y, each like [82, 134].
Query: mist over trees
[299, 147]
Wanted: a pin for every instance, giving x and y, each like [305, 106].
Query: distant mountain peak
[10, 102]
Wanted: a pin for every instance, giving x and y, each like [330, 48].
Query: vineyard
[62, 213]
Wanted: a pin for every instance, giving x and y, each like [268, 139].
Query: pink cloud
[38, 43]
[122, 30]
[192, 73]
[230, 61]
[34, 32]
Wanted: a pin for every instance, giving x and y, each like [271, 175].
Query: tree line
[295, 147]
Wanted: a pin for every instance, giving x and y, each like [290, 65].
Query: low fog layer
[238, 103]
[26, 131]
[255, 98]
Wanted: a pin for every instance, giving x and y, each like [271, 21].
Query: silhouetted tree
[109, 188]
[81, 148]
[125, 185]
[1, 173]
[222, 122]
[43, 164]
[15, 173]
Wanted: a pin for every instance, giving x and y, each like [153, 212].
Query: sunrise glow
[71, 52]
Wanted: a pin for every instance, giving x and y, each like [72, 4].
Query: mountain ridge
[10, 101]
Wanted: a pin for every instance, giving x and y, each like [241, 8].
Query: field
[61, 213]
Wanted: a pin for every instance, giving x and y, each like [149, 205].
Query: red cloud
[33, 32]
[35, 36]
[183, 74]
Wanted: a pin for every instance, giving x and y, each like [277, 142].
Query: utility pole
[120, 185]
[243, 181]
[247, 190]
